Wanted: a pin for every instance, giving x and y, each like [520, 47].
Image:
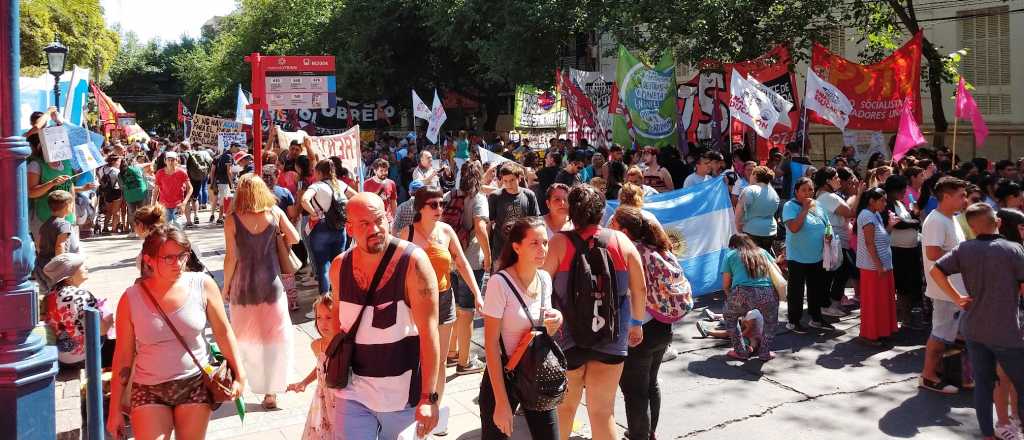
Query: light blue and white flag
[699, 220]
[242, 114]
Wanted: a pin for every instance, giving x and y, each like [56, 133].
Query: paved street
[816, 388]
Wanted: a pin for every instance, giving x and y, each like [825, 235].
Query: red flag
[967, 108]
[909, 135]
[107, 112]
[183, 113]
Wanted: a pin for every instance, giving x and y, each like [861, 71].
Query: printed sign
[224, 140]
[345, 146]
[87, 161]
[866, 143]
[207, 129]
[56, 146]
[300, 82]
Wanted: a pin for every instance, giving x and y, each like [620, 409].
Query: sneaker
[474, 366]
[670, 354]
[849, 302]
[189, 225]
[700, 329]
[708, 315]
[1008, 432]
[797, 328]
[821, 325]
[211, 218]
[220, 221]
[833, 311]
[939, 386]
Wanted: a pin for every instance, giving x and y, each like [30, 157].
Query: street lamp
[55, 55]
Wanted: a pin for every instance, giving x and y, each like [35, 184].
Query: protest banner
[876, 91]
[752, 106]
[224, 140]
[648, 95]
[536, 108]
[345, 146]
[588, 96]
[206, 129]
[335, 120]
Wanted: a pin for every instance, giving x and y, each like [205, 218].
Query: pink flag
[966, 108]
[909, 135]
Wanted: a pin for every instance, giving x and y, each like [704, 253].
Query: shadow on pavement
[922, 410]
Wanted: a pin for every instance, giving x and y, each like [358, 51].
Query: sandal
[939, 386]
[451, 361]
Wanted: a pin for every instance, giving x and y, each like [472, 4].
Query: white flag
[781, 104]
[827, 101]
[437, 117]
[752, 106]
[242, 114]
[420, 110]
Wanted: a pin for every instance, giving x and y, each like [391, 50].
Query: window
[986, 35]
[835, 41]
[993, 104]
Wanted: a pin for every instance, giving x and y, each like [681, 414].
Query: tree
[145, 81]
[78, 24]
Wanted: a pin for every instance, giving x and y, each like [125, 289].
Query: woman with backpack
[597, 333]
[324, 201]
[133, 183]
[668, 299]
[517, 300]
[444, 251]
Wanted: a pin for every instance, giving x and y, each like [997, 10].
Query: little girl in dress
[319, 423]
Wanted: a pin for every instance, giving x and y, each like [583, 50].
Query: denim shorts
[464, 296]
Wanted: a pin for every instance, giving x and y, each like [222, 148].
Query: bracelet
[633, 322]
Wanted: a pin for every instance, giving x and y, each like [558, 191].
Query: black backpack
[592, 299]
[108, 189]
[334, 215]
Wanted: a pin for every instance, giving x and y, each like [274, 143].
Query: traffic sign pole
[256, 60]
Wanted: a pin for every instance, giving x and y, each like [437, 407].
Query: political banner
[826, 103]
[648, 95]
[865, 144]
[419, 109]
[536, 108]
[699, 222]
[876, 91]
[437, 118]
[752, 106]
[330, 121]
[224, 140]
[582, 113]
[598, 90]
[206, 129]
[345, 146]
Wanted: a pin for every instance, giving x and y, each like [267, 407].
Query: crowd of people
[572, 297]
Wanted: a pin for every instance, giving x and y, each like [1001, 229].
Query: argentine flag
[699, 220]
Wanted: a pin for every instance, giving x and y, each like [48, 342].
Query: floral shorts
[171, 393]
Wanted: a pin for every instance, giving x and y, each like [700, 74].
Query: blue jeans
[983, 363]
[362, 423]
[171, 214]
[326, 243]
[203, 197]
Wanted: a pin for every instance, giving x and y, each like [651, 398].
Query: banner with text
[345, 146]
[876, 91]
[380, 114]
[598, 90]
[206, 129]
[648, 97]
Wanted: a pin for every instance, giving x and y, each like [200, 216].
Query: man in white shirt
[940, 233]
[425, 171]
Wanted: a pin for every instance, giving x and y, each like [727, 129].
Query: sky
[166, 20]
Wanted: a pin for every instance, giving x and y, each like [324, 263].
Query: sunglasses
[433, 204]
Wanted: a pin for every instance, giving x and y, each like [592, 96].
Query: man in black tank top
[405, 292]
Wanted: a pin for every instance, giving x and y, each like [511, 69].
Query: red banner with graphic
[877, 91]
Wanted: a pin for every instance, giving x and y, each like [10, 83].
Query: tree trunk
[492, 103]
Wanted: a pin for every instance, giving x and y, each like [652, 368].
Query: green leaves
[77, 23]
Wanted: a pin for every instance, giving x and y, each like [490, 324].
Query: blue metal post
[27, 365]
[93, 372]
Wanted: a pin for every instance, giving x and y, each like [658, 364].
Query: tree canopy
[78, 24]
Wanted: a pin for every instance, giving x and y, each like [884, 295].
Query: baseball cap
[414, 186]
[170, 155]
[63, 267]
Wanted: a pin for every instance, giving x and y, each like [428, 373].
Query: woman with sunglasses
[443, 248]
[167, 392]
[874, 259]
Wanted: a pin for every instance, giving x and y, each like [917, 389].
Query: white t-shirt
[420, 174]
[694, 179]
[322, 195]
[829, 203]
[939, 230]
[501, 303]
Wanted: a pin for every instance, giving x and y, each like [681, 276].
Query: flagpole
[953, 157]
[803, 137]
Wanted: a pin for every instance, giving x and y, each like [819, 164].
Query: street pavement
[817, 387]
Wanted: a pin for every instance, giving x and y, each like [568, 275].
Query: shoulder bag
[538, 378]
[338, 362]
[218, 381]
[287, 260]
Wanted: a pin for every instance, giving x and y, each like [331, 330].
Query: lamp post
[55, 55]
[27, 365]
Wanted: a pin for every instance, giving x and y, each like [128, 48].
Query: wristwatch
[432, 398]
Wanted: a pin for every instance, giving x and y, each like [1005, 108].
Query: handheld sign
[55, 142]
